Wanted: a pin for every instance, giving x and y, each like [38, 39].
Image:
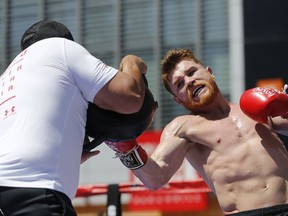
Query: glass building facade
[110, 29]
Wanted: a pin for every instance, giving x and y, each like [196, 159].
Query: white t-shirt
[44, 96]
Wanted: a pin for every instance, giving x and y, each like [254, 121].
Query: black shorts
[34, 202]
[278, 210]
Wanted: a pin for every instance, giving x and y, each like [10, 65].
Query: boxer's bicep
[170, 154]
[163, 163]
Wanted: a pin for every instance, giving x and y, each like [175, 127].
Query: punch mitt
[105, 125]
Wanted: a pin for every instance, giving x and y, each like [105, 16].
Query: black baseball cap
[42, 30]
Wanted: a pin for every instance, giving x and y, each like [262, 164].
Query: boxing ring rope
[114, 191]
[195, 186]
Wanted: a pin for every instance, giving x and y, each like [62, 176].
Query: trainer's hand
[260, 103]
[88, 154]
[131, 154]
[131, 61]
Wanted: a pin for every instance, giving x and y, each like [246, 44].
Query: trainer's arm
[164, 162]
[88, 154]
[125, 92]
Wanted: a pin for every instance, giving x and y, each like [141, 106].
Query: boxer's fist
[259, 103]
[131, 154]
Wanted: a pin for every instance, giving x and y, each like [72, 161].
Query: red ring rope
[195, 186]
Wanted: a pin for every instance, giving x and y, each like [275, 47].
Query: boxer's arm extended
[124, 93]
[163, 163]
[158, 169]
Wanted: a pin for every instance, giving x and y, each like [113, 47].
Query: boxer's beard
[205, 99]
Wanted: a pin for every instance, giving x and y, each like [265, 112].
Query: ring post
[113, 200]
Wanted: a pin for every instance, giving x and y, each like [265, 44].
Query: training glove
[131, 154]
[259, 103]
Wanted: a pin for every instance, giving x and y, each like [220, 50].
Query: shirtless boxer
[243, 161]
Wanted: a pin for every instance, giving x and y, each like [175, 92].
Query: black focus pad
[104, 125]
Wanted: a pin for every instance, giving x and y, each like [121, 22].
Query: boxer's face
[193, 85]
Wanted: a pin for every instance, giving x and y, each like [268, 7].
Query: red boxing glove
[259, 103]
[131, 154]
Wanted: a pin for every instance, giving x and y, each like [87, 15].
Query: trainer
[44, 96]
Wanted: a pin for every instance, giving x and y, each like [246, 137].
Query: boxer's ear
[177, 100]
